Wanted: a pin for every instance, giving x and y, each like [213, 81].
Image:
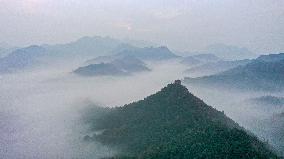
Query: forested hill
[173, 123]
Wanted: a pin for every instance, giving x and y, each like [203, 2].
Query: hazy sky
[180, 24]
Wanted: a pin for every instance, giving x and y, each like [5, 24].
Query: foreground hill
[118, 67]
[264, 73]
[173, 123]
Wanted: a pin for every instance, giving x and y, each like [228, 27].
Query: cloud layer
[184, 25]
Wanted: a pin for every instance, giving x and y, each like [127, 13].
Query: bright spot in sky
[32, 6]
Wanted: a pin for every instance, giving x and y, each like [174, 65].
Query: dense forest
[173, 123]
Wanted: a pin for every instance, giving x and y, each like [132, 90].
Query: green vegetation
[173, 123]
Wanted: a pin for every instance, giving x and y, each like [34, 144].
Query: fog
[252, 117]
[41, 105]
[40, 109]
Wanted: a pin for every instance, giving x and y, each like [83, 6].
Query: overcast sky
[179, 24]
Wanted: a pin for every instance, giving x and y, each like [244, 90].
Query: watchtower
[178, 82]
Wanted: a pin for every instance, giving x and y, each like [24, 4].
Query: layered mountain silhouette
[271, 57]
[267, 101]
[21, 59]
[118, 67]
[199, 59]
[127, 60]
[5, 49]
[85, 47]
[81, 49]
[227, 52]
[149, 53]
[24, 58]
[173, 123]
[214, 67]
[144, 54]
[265, 73]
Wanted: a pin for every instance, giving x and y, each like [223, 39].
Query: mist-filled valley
[41, 110]
[44, 106]
[144, 79]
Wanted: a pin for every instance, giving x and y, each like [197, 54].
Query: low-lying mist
[237, 105]
[40, 109]
[235, 102]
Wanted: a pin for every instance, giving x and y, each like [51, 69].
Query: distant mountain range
[259, 108]
[271, 57]
[264, 73]
[22, 59]
[268, 101]
[214, 67]
[172, 123]
[144, 54]
[5, 49]
[149, 53]
[126, 61]
[199, 59]
[227, 52]
[82, 49]
[126, 65]
[85, 47]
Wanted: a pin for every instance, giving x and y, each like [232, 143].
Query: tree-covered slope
[173, 123]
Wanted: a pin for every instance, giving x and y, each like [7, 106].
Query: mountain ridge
[116, 67]
[259, 75]
[173, 123]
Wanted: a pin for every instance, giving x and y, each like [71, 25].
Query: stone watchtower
[177, 82]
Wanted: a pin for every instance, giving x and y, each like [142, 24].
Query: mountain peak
[173, 123]
[177, 85]
[177, 82]
[164, 47]
[175, 88]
